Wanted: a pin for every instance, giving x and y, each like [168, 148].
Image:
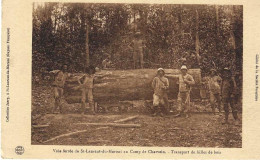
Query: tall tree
[87, 45]
[197, 41]
[232, 37]
[217, 26]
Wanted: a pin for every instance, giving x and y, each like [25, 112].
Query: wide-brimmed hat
[184, 67]
[160, 69]
[137, 33]
[226, 69]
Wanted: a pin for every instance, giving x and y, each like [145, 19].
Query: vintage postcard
[130, 79]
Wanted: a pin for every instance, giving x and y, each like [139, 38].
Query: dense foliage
[169, 33]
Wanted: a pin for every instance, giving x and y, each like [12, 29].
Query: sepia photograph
[128, 74]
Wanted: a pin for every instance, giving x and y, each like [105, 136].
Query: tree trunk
[180, 21]
[217, 19]
[122, 85]
[87, 45]
[217, 26]
[135, 26]
[232, 38]
[197, 41]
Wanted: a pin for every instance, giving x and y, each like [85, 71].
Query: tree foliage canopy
[169, 31]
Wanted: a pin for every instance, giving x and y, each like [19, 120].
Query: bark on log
[126, 85]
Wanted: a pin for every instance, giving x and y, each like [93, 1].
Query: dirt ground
[202, 129]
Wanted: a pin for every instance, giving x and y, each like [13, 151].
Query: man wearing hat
[160, 85]
[185, 83]
[87, 89]
[106, 63]
[60, 77]
[214, 90]
[228, 89]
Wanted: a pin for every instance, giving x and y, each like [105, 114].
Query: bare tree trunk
[232, 38]
[217, 19]
[217, 26]
[87, 45]
[197, 41]
[180, 21]
[135, 26]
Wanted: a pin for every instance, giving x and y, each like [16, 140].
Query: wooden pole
[126, 119]
[40, 126]
[112, 125]
[73, 133]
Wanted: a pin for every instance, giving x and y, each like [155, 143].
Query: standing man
[228, 89]
[60, 77]
[65, 72]
[106, 63]
[214, 90]
[87, 89]
[204, 90]
[160, 85]
[185, 83]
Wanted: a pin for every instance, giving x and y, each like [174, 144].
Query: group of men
[160, 85]
[86, 87]
[223, 90]
[220, 90]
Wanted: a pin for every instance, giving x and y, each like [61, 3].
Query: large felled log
[121, 85]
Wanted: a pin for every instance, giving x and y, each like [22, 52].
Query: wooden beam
[111, 125]
[65, 135]
[40, 126]
[126, 119]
